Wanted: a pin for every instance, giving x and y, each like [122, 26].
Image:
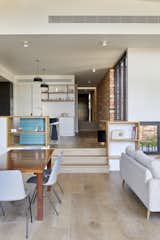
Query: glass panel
[120, 88]
[149, 138]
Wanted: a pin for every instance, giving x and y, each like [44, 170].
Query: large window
[120, 89]
[150, 137]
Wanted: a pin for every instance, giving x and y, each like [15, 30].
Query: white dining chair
[47, 172]
[12, 189]
[49, 181]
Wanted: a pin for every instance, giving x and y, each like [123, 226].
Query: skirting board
[114, 165]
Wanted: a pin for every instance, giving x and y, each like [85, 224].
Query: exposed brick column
[105, 97]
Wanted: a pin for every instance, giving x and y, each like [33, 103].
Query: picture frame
[118, 134]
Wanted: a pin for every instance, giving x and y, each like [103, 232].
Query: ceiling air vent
[104, 19]
[48, 80]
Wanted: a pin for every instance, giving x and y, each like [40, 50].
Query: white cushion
[143, 159]
[130, 151]
[155, 168]
[149, 162]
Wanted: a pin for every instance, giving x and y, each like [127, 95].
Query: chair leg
[56, 194]
[30, 208]
[148, 214]
[60, 187]
[123, 183]
[57, 213]
[2, 209]
[26, 219]
[34, 196]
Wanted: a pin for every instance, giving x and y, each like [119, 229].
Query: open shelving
[56, 100]
[129, 135]
[27, 131]
[58, 93]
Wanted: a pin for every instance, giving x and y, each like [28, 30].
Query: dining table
[30, 161]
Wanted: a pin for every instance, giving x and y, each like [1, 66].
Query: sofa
[142, 174]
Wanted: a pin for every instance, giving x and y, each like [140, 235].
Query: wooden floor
[94, 207]
[81, 140]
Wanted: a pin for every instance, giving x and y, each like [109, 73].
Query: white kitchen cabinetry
[66, 126]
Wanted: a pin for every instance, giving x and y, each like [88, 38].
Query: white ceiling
[40, 8]
[68, 54]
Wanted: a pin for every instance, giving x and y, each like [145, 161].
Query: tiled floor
[94, 207]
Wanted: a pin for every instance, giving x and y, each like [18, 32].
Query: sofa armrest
[154, 194]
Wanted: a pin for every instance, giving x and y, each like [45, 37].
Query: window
[150, 137]
[120, 92]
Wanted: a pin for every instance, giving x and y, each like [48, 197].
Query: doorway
[87, 111]
[6, 98]
[83, 107]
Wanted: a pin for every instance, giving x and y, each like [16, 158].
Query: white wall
[3, 132]
[6, 73]
[144, 84]
[22, 98]
[54, 109]
[26, 103]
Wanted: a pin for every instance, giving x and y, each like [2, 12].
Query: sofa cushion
[143, 159]
[130, 151]
[149, 162]
[155, 168]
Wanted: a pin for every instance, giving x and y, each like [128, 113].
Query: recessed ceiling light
[104, 43]
[26, 44]
[93, 70]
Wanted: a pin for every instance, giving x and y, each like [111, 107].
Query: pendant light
[43, 84]
[37, 78]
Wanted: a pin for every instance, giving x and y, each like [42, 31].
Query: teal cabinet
[33, 131]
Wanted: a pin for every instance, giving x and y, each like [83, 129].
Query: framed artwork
[118, 134]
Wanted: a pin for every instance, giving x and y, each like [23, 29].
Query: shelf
[29, 146]
[124, 140]
[28, 132]
[124, 123]
[58, 92]
[119, 122]
[52, 100]
[114, 157]
[15, 116]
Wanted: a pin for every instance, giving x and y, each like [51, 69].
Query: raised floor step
[81, 151]
[84, 160]
[85, 169]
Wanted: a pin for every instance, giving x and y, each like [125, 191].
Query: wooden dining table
[29, 161]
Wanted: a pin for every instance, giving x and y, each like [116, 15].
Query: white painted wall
[22, 98]
[54, 109]
[3, 132]
[144, 84]
[26, 103]
[7, 74]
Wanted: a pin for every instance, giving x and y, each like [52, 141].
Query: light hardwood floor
[94, 207]
[81, 140]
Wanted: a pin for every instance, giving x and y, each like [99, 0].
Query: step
[80, 151]
[85, 169]
[74, 160]
[87, 125]
[83, 160]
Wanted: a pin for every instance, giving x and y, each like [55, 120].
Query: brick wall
[105, 97]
